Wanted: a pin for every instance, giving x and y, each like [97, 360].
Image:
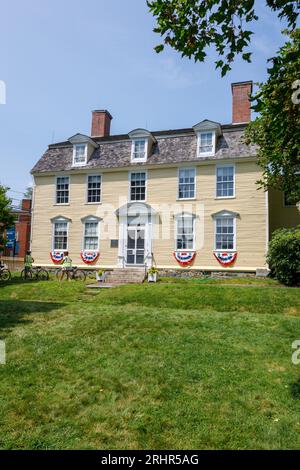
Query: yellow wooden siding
[162, 186]
[281, 216]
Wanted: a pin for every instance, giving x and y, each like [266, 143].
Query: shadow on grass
[12, 312]
[295, 389]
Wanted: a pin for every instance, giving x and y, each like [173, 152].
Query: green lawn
[194, 364]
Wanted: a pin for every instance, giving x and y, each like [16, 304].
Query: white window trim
[90, 219]
[178, 216]
[195, 194]
[60, 220]
[87, 189]
[85, 154]
[146, 184]
[225, 216]
[139, 160]
[225, 165]
[55, 193]
[206, 154]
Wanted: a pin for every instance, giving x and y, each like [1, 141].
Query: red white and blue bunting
[57, 256]
[184, 258]
[225, 258]
[89, 256]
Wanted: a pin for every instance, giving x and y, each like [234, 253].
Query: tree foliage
[276, 130]
[6, 217]
[28, 192]
[191, 26]
[284, 255]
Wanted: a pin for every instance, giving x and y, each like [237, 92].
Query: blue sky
[62, 59]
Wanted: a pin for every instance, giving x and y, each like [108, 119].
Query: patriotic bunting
[225, 258]
[89, 256]
[184, 258]
[57, 256]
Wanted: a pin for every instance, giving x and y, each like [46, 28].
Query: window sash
[91, 236]
[225, 233]
[187, 177]
[80, 154]
[60, 241]
[185, 233]
[94, 188]
[206, 142]
[138, 186]
[62, 190]
[225, 181]
[139, 150]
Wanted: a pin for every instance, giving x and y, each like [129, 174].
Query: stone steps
[126, 276]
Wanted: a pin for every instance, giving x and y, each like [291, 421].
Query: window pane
[186, 183]
[138, 186]
[60, 236]
[185, 233]
[225, 233]
[139, 149]
[62, 190]
[80, 154]
[91, 236]
[206, 142]
[94, 188]
[225, 181]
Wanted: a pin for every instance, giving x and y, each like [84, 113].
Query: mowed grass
[176, 365]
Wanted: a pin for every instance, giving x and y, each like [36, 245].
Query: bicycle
[72, 273]
[37, 273]
[5, 274]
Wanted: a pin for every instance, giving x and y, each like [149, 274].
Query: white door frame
[123, 231]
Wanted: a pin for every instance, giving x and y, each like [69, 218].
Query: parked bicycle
[5, 274]
[36, 273]
[72, 273]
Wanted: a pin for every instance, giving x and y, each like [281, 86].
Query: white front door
[135, 245]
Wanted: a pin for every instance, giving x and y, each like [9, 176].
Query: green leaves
[6, 217]
[191, 26]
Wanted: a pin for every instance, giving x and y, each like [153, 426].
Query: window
[225, 233]
[91, 236]
[185, 232]
[62, 190]
[206, 143]
[225, 181]
[80, 154]
[94, 188]
[186, 183]
[60, 241]
[138, 186]
[139, 150]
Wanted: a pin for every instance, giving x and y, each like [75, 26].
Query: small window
[62, 190]
[206, 145]
[185, 232]
[94, 188]
[138, 186]
[225, 181]
[60, 241]
[91, 236]
[225, 233]
[186, 183]
[139, 150]
[80, 154]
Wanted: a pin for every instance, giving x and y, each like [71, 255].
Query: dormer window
[141, 144]
[139, 150]
[80, 154]
[83, 149]
[207, 133]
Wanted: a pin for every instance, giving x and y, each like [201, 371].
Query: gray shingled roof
[171, 147]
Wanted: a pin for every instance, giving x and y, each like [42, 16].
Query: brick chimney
[241, 111]
[26, 205]
[101, 120]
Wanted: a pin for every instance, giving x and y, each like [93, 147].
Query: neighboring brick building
[19, 235]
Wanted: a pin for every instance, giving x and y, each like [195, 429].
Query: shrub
[284, 255]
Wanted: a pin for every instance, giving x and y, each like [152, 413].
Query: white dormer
[207, 133]
[83, 147]
[142, 141]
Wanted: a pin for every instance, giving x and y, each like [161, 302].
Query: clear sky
[60, 59]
